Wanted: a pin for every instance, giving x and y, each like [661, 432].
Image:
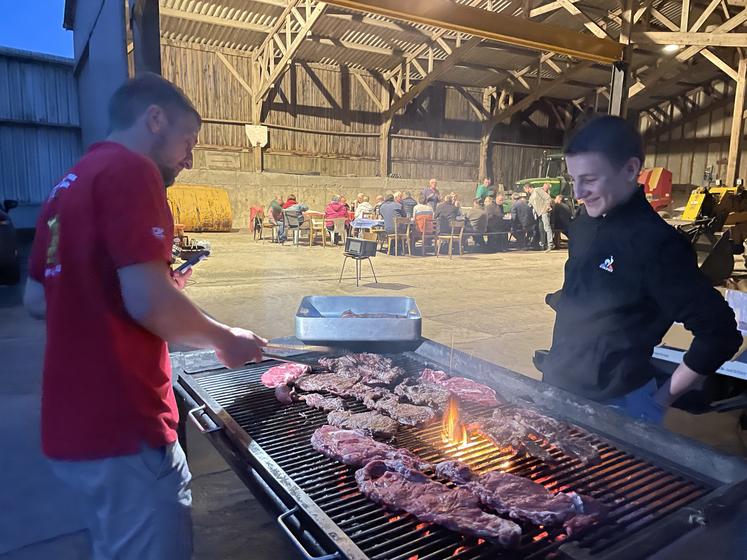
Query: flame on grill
[452, 430]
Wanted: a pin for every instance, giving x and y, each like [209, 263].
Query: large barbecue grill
[661, 488]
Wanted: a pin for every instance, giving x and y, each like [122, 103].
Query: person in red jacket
[336, 209]
[290, 202]
[100, 276]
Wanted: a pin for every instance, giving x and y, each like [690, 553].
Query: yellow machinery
[200, 208]
[704, 200]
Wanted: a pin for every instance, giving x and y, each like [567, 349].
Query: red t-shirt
[107, 381]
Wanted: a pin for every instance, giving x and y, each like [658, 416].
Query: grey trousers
[136, 506]
[547, 227]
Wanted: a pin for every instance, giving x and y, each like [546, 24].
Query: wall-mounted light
[671, 48]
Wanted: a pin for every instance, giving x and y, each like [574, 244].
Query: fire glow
[453, 431]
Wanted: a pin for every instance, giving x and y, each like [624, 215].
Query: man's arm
[686, 295]
[152, 299]
[34, 299]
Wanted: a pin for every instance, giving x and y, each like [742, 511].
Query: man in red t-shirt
[100, 274]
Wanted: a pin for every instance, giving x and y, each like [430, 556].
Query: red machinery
[657, 182]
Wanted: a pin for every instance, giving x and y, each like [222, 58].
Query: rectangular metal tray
[319, 321]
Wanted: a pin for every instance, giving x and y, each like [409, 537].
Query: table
[366, 223]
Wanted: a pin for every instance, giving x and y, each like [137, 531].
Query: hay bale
[200, 208]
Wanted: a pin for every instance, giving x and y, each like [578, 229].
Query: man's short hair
[408, 194]
[613, 137]
[136, 95]
[291, 197]
[335, 198]
[366, 198]
[389, 197]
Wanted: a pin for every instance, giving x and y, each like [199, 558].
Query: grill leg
[357, 272]
[376, 280]
[343, 268]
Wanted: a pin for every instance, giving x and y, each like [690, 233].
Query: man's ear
[632, 169]
[155, 119]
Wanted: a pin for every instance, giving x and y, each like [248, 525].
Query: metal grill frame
[270, 482]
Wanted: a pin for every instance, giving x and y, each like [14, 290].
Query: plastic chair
[317, 228]
[340, 229]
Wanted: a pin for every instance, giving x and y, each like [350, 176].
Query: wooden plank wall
[323, 122]
[688, 149]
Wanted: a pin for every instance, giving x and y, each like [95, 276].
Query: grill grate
[637, 491]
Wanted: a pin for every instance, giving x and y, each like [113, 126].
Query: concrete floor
[488, 305]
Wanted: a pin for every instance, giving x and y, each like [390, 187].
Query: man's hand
[681, 381]
[181, 277]
[240, 346]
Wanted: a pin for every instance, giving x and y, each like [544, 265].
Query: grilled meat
[366, 394]
[331, 382]
[556, 432]
[429, 501]
[315, 400]
[284, 394]
[525, 500]
[404, 413]
[284, 374]
[508, 432]
[369, 368]
[518, 497]
[369, 422]
[464, 389]
[355, 448]
[422, 393]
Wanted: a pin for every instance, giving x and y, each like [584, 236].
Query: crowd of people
[533, 215]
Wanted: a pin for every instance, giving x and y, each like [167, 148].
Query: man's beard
[168, 174]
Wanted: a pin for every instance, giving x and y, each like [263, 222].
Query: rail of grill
[637, 491]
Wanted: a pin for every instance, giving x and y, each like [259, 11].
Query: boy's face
[599, 183]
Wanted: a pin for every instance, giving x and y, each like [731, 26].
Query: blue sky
[35, 25]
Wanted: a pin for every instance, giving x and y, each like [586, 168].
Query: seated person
[379, 202]
[421, 208]
[275, 216]
[476, 222]
[561, 215]
[445, 213]
[363, 207]
[389, 210]
[408, 203]
[290, 202]
[336, 209]
[522, 218]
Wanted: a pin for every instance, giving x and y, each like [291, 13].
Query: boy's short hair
[613, 137]
[137, 94]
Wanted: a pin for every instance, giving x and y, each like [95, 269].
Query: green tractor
[551, 170]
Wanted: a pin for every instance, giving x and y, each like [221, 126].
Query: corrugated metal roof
[37, 90]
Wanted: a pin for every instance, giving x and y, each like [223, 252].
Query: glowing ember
[480, 541]
[452, 429]
[505, 465]
[421, 526]
[459, 550]
[414, 557]
[539, 537]
[395, 518]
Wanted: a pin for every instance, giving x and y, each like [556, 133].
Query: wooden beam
[508, 112]
[705, 15]
[235, 73]
[494, 26]
[685, 16]
[448, 63]
[664, 20]
[589, 23]
[686, 54]
[369, 91]
[690, 39]
[385, 158]
[478, 108]
[720, 64]
[737, 125]
[487, 130]
[547, 8]
[213, 20]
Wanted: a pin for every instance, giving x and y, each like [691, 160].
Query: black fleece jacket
[628, 277]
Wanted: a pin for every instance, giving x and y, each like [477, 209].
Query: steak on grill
[404, 413]
[355, 448]
[556, 432]
[508, 432]
[369, 368]
[422, 393]
[366, 394]
[315, 400]
[284, 374]
[429, 501]
[334, 383]
[369, 422]
[464, 389]
[284, 394]
[525, 500]
[518, 497]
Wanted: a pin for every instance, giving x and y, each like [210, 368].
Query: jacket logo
[158, 232]
[608, 264]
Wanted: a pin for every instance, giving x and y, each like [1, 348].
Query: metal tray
[319, 321]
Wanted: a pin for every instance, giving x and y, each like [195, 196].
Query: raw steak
[284, 374]
[461, 387]
[508, 432]
[432, 502]
[369, 368]
[369, 422]
[428, 394]
[331, 382]
[525, 500]
[404, 413]
[315, 400]
[518, 497]
[355, 448]
[556, 432]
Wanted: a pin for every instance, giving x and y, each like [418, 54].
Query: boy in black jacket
[628, 278]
